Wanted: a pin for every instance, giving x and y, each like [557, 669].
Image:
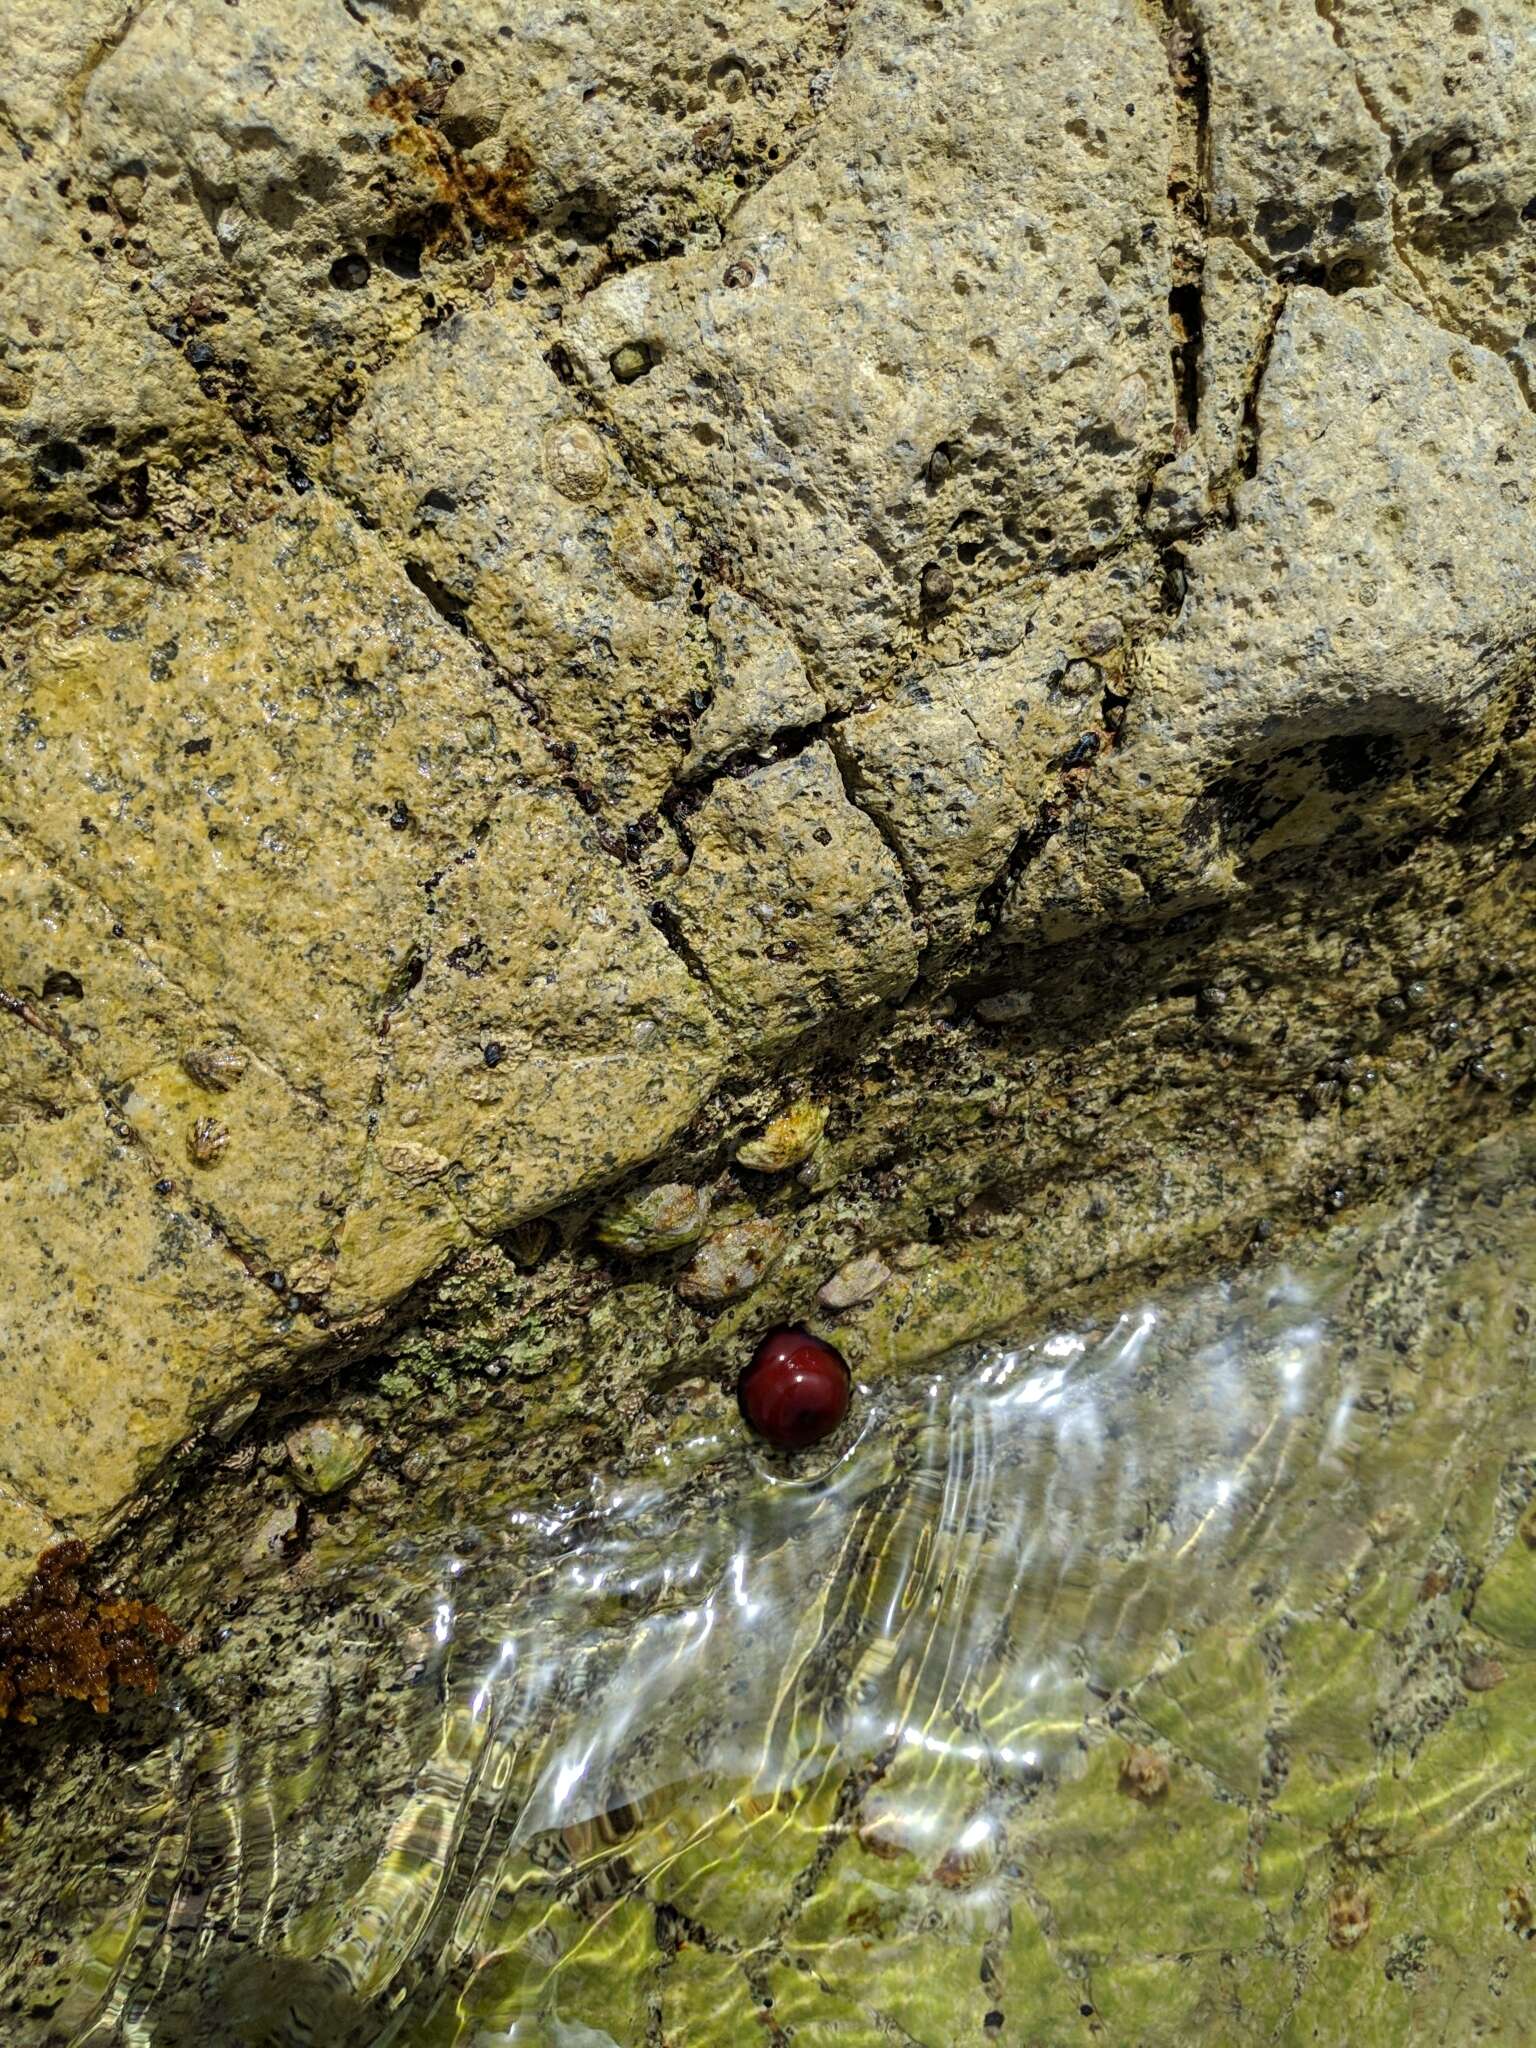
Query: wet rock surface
[1155, 1676]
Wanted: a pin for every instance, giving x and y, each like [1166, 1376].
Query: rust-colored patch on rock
[477, 201]
[61, 1640]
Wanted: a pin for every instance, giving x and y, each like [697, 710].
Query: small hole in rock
[351, 272]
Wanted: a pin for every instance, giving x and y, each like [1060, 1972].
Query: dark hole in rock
[59, 458]
[401, 255]
[351, 272]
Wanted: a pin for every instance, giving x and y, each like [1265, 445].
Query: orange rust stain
[62, 1640]
[471, 197]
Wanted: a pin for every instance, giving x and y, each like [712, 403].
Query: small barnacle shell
[1144, 1775]
[731, 1263]
[969, 1857]
[661, 1219]
[884, 1830]
[417, 1164]
[1482, 1674]
[327, 1453]
[575, 460]
[936, 586]
[215, 1067]
[856, 1283]
[642, 556]
[630, 360]
[1349, 1916]
[789, 1140]
[206, 1141]
[528, 1242]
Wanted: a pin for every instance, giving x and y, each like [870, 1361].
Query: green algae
[696, 1751]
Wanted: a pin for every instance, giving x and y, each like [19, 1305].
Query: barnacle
[659, 1219]
[215, 1067]
[787, 1141]
[206, 1141]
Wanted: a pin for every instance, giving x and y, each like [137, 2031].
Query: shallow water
[1160, 1680]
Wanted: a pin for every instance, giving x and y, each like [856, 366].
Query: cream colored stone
[581, 598]
[792, 901]
[919, 277]
[855, 1283]
[552, 1041]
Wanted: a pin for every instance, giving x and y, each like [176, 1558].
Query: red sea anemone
[795, 1391]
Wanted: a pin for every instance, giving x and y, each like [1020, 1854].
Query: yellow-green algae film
[1163, 1678]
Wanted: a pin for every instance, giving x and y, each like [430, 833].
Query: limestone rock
[1240, 306]
[1347, 652]
[51, 53]
[91, 397]
[1299, 165]
[1459, 110]
[960, 758]
[584, 608]
[865, 308]
[792, 901]
[758, 686]
[124, 1318]
[272, 155]
[552, 1040]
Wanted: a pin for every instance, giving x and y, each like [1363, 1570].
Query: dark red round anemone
[795, 1391]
